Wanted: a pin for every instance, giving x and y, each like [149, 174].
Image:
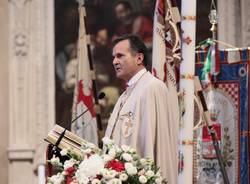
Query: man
[142, 118]
[125, 17]
[130, 22]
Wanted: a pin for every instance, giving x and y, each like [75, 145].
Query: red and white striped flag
[166, 51]
[166, 42]
[86, 125]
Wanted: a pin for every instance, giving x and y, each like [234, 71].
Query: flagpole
[98, 116]
[187, 69]
[86, 126]
[91, 67]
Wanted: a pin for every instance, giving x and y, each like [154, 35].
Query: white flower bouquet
[117, 166]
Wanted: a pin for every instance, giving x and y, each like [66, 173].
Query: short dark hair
[126, 4]
[136, 45]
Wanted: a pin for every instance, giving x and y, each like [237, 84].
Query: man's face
[126, 63]
[122, 13]
[102, 37]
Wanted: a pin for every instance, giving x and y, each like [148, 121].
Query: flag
[166, 52]
[166, 43]
[86, 125]
[228, 105]
[211, 66]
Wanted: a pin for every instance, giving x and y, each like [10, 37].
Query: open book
[69, 140]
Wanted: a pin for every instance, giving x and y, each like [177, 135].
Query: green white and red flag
[211, 66]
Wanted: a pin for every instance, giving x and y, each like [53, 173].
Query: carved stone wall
[31, 86]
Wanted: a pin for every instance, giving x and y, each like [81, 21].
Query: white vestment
[143, 118]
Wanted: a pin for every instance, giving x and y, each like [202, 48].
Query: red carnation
[69, 180]
[115, 165]
[70, 171]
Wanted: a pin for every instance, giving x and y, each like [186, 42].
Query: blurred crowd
[105, 21]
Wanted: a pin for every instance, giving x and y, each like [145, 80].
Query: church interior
[39, 75]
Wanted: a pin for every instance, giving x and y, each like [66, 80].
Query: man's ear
[140, 58]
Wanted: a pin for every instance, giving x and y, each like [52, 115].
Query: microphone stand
[211, 130]
[55, 147]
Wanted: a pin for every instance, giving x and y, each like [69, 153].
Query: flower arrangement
[119, 165]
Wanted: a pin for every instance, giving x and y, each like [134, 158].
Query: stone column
[245, 23]
[234, 25]
[229, 22]
[4, 90]
[31, 86]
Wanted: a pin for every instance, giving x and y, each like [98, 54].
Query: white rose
[107, 141]
[127, 157]
[128, 164]
[68, 164]
[143, 161]
[150, 161]
[91, 166]
[82, 179]
[150, 173]
[117, 149]
[96, 181]
[114, 181]
[106, 158]
[158, 180]
[141, 172]
[132, 150]
[125, 148]
[142, 179]
[87, 151]
[123, 177]
[158, 174]
[56, 179]
[102, 171]
[111, 174]
[64, 152]
[55, 161]
[131, 170]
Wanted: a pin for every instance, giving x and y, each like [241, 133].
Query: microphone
[54, 149]
[101, 95]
